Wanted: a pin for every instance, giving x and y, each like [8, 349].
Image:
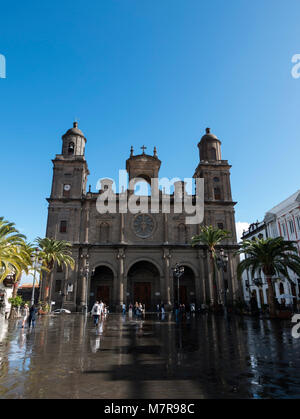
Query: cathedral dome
[209, 136]
[209, 147]
[74, 131]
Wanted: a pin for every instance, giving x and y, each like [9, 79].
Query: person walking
[96, 312]
[124, 308]
[136, 309]
[25, 315]
[162, 307]
[32, 316]
[102, 308]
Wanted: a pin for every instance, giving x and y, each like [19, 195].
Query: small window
[213, 154]
[216, 179]
[71, 148]
[217, 192]
[283, 230]
[291, 224]
[63, 226]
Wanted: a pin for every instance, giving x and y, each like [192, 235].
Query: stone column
[121, 228]
[166, 238]
[84, 257]
[202, 284]
[209, 283]
[87, 222]
[236, 285]
[198, 291]
[166, 284]
[120, 284]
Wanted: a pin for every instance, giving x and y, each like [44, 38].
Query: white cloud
[240, 227]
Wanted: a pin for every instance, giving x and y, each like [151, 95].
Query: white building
[282, 220]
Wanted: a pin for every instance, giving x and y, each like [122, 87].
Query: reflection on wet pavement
[150, 357]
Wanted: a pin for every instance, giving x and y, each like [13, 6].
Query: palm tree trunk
[214, 282]
[14, 294]
[271, 297]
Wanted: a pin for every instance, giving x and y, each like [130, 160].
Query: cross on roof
[143, 148]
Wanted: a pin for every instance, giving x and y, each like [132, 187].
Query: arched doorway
[101, 287]
[143, 284]
[187, 290]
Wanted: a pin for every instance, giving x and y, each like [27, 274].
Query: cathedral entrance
[187, 292]
[101, 287]
[143, 285]
[142, 293]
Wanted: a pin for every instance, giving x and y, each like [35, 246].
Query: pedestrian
[102, 307]
[124, 308]
[96, 312]
[157, 308]
[32, 316]
[25, 315]
[136, 309]
[130, 310]
[162, 308]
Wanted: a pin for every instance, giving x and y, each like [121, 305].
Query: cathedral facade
[124, 257]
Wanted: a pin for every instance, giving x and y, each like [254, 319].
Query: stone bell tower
[70, 172]
[70, 169]
[219, 207]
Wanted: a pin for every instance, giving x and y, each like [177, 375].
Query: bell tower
[219, 207]
[70, 169]
[70, 172]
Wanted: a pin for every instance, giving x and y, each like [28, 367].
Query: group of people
[137, 309]
[99, 309]
[160, 308]
[29, 316]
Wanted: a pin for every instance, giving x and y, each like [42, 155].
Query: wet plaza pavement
[205, 356]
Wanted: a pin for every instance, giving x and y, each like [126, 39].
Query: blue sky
[153, 72]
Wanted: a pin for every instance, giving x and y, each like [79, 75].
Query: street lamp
[222, 261]
[36, 263]
[85, 272]
[178, 271]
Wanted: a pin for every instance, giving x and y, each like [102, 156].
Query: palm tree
[54, 252]
[14, 253]
[211, 237]
[272, 256]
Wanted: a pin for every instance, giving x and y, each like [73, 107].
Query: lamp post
[36, 262]
[178, 271]
[222, 261]
[86, 272]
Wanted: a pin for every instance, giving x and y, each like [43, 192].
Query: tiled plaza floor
[152, 357]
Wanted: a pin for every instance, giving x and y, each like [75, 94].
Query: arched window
[71, 148]
[216, 179]
[217, 193]
[104, 232]
[63, 226]
[281, 288]
[220, 226]
[213, 154]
